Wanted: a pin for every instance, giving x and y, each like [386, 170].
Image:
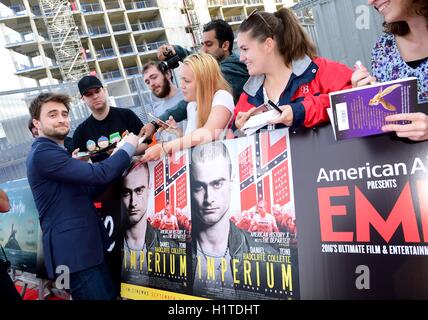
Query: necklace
[199, 249]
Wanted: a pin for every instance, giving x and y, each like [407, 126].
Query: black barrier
[361, 213]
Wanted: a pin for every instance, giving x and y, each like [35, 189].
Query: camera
[171, 61]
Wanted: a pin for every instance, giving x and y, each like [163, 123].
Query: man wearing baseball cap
[105, 121]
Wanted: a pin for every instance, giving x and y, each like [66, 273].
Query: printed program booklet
[361, 112]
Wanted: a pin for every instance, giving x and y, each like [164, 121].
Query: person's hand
[361, 77]
[155, 152]
[130, 138]
[75, 152]
[83, 156]
[286, 116]
[242, 117]
[416, 130]
[173, 127]
[163, 49]
[148, 130]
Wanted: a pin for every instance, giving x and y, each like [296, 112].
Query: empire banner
[362, 215]
[216, 221]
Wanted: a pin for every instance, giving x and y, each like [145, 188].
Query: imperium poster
[244, 236]
[156, 218]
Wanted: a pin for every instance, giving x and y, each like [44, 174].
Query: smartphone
[161, 121]
[109, 147]
[260, 109]
[158, 120]
[82, 154]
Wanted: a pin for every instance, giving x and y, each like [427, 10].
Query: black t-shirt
[118, 121]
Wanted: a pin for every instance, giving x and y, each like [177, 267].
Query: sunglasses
[255, 12]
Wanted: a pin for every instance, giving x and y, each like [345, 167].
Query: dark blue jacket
[63, 189]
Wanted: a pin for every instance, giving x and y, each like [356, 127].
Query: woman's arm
[217, 121]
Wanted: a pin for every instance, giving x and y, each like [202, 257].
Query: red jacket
[306, 92]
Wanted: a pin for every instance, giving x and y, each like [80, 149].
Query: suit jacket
[63, 189]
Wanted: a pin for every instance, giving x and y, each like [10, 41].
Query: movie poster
[157, 224]
[244, 237]
[216, 221]
[19, 228]
[362, 216]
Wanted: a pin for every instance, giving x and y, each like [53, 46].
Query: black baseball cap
[88, 82]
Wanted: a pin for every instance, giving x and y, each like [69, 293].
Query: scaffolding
[64, 36]
[194, 27]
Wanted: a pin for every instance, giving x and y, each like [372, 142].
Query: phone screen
[260, 109]
[158, 120]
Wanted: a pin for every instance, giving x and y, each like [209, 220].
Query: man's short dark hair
[223, 32]
[210, 151]
[157, 64]
[31, 125]
[136, 165]
[41, 99]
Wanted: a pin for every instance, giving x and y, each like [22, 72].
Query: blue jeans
[92, 284]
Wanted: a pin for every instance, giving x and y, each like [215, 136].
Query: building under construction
[52, 43]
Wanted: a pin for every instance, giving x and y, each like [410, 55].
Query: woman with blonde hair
[210, 105]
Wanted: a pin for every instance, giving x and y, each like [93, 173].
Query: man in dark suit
[63, 189]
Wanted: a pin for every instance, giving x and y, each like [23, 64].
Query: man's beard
[165, 90]
[53, 133]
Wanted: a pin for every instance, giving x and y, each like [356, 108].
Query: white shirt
[221, 98]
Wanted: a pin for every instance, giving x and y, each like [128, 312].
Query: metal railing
[126, 49]
[112, 75]
[20, 38]
[111, 5]
[25, 67]
[150, 46]
[232, 2]
[119, 27]
[105, 53]
[214, 3]
[238, 18]
[144, 26]
[135, 5]
[91, 7]
[253, 2]
[131, 71]
[97, 30]
[13, 11]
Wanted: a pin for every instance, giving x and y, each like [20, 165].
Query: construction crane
[193, 27]
[64, 36]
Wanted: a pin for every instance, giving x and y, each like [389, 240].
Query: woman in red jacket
[284, 68]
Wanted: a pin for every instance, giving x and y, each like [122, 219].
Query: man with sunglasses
[217, 40]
